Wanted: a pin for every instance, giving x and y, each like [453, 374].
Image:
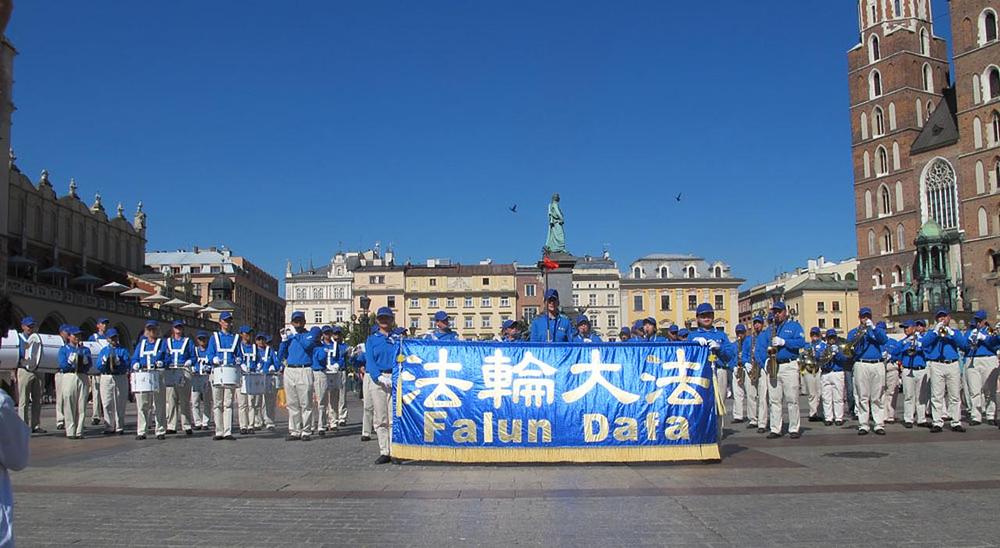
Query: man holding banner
[720, 350]
[380, 352]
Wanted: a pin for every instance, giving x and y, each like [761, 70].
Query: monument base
[560, 279]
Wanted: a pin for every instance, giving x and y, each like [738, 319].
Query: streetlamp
[366, 302]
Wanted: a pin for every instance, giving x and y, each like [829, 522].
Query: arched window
[977, 89]
[984, 222]
[892, 116]
[664, 272]
[928, 78]
[881, 161]
[920, 113]
[886, 241]
[899, 196]
[895, 156]
[868, 204]
[636, 273]
[884, 201]
[691, 272]
[873, 50]
[995, 175]
[996, 129]
[874, 85]
[980, 178]
[977, 133]
[877, 278]
[871, 242]
[930, 110]
[718, 271]
[988, 27]
[897, 275]
[867, 165]
[900, 237]
[939, 193]
[872, 13]
[878, 122]
[925, 42]
[994, 80]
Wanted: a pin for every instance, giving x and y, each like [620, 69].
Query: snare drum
[226, 376]
[254, 384]
[173, 377]
[199, 383]
[146, 381]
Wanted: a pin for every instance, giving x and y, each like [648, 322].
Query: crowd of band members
[861, 375]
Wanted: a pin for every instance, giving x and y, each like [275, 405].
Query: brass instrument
[827, 356]
[849, 348]
[808, 362]
[943, 331]
[740, 370]
[772, 356]
[911, 350]
[754, 366]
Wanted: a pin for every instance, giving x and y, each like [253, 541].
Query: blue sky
[287, 130]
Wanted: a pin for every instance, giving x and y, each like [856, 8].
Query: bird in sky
[513, 208]
[678, 197]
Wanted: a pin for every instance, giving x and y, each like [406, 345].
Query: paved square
[829, 487]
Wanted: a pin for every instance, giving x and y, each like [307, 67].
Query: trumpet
[850, 347]
[772, 356]
[808, 362]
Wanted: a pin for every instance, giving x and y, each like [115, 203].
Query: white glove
[385, 379]
[885, 356]
[216, 361]
[135, 366]
[335, 368]
[285, 335]
[951, 332]
[71, 358]
[159, 363]
[748, 365]
[238, 361]
[104, 360]
[938, 326]
[714, 345]
[245, 368]
[980, 336]
[187, 363]
[834, 348]
[777, 341]
[701, 341]
[869, 324]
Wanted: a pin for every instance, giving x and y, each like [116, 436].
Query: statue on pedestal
[556, 240]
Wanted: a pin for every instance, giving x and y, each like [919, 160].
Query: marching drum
[199, 383]
[254, 384]
[173, 377]
[226, 376]
[146, 381]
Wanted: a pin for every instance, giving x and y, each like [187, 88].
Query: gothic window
[877, 278]
[871, 242]
[895, 156]
[988, 26]
[898, 8]
[920, 113]
[925, 42]
[939, 194]
[317, 293]
[886, 241]
[874, 54]
[984, 222]
[884, 201]
[980, 178]
[899, 196]
[897, 275]
[300, 293]
[872, 12]
[868, 204]
[874, 85]
[900, 237]
[878, 122]
[977, 133]
[892, 116]
[928, 78]
[994, 80]
[995, 176]
[996, 129]
[881, 161]
[867, 165]
[976, 89]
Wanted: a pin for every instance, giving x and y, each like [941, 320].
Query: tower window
[886, 241]
[939, 194]
[875, 84]
[898, 7]
[874, 53]
[994, 83]
[928, 78]
[878, 122]
[885, 204]
[881, 161]
[989, 26]
[925, 42]
[996, 128]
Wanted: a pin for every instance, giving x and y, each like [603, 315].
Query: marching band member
[325, 359]
[337, 389]
[149, 355]
[113, 365]
[720, 350]
[368, 408]
[981, 370]
[869, 344]
[812, 380]
[583, 333]
[683, 334]
[832, 380]
[673, 333]
[921, 331]
[96, 409]
[74, 362]
[941, 347]
[623, 336]
[649, 333]
[892, 371]
[381, 360]
[509, 331]
[636, 331]
[29, 381]
[201, 384]
[757, 392]
[223, 353]
[180, 354]
[442, 328]
[247, 350]
[60, 411]
[296, 353]
[786, 339]
[916, 387]
[552, 326]
[269, 364]
[741, 405]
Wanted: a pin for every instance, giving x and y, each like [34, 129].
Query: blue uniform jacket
[437, 335]
[248, 357]
[839, 362]
[201, 365]
[381, 354]
[180, 352]
[329, 355]
[546, 329]
[937, 348]
[82, 362]
[223, 349]
[984, 348]
[726, 350]
[591, 338]
[122, 356]
[148, 354]
[267, 360]
[902, 351]
[651, 339]
[297, 351]
[871, 346]
[794, 337]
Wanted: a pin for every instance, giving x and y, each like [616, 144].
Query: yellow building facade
[479, 298]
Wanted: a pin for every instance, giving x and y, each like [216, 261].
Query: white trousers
[298, 399]
[916, 394]
[60, 415]
[785, 389]
[248, 406]
[869, 380]
[201, 400]
[114, 396]
[337, 396]
[814, 391]
[150, 405]
[222, 409]
[368, 409]
[763, 403]
[381, 414]
[320, 401]
[891, 396]
[96, 408]
[833, 395]
[981, 377]
[179, 403]
[74, 388]
[30, 386]
[744, 398]
[946, 381]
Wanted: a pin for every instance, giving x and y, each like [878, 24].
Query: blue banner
[537, 402]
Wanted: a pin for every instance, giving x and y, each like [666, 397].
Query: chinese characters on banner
[495, 402]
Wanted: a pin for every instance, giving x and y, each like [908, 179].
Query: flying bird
[513, 208]
[678, 197]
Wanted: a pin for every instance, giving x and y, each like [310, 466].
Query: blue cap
[649, 320]
[246, 329]
[865, 311]
[770, 317]
[202, 335]
[551, 294]
[27, 320]
[637, 325]
[298, 315]
[507, 324]
[920, 323]
[178, 323]
[831, 332]
[979, 316]
[64, 327]
[625, 331]
[226, 316]
[704, 308]
[441, 316]
[385, 312]
[673, 328]
[581, 319]
[111, 333]
[268, 338]
[758, 319]
[152, 324]
[72, 330]
[880, 325]
[683, 333]
[779, 305]
[260, 336]
[315, 331]
[740, 328]
[337, 329]
[327, 329]
[103, 320]
[815, 331]
[907, 324]
[941, 312]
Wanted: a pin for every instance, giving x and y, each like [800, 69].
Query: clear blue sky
[283, 128]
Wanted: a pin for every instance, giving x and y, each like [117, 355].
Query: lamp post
[366, 302]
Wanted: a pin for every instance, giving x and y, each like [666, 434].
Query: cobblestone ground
[830, 487]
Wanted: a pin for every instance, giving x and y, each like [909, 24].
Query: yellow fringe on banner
[557, 454]
[720, 399]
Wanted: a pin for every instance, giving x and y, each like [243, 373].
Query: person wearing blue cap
[673, 333]
[255, 359]
[267, 363]
[29, 380]
[583, 332]
[442, 328]
[380, 349]
[113, 365]
[179, 350]
[327, 363]
[75, 361]
[815, 350]
[892, 372]
[509, 331]
[201, 386]
[742, 410]
[650, 332]
[721, 351]
[96, 410]
[786, 338]
[246, 403]
[916, 387]
[60, 408]
[942, 345]
[337, 388]
[683, 333]
[757, 381]
[295, 351]
[552, 326]
[831, 363]
[981, 370]
[624, 335]
[636, 332]
[223, 364]
[869, 344]
[149, 356]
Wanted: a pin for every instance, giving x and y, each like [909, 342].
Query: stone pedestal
[561, 279]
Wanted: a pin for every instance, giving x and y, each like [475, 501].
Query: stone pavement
[829, 487]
